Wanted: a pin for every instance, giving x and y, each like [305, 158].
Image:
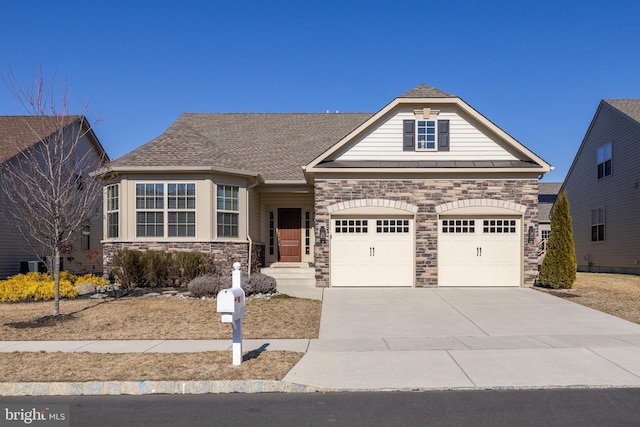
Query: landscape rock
[85, 288]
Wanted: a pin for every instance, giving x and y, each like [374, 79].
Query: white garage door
[481, 251]
[372, 252]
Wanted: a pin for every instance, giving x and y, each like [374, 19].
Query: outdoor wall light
[323, 234]
[532, 233]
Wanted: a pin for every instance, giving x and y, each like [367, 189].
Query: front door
[289, 235]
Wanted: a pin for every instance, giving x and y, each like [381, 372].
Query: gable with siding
[616, 122]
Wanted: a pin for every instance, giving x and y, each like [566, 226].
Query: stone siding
[426, 196]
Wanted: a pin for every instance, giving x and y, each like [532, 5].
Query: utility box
[230, 303]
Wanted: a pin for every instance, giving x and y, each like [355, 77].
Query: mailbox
[231, 304]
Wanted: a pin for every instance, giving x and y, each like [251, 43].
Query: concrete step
[292, 275]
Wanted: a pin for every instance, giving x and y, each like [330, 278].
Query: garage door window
[352, 226]
[392, 226]
[499, 226]
[453, 226]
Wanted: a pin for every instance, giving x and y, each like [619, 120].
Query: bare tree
[51, 194]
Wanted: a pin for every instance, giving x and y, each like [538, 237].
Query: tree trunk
[56, 280]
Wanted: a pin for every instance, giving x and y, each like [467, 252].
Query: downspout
[249, 224]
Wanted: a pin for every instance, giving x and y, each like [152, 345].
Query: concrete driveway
[384, 338]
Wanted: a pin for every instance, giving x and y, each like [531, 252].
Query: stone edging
[97, 388]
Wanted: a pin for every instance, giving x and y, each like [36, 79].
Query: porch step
[295, 279]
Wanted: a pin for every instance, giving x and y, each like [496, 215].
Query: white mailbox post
[230, 302]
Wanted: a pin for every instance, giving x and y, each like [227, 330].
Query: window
[85, 238]
[392, 226]
[604, 160]
[426, 135]
[458, 226]
[150, 210]
[597, 224]
[499, 226]
[170, 207]
[545, 234]
[352, 226]
[430, 135]
[272, 233]
[307, 233]
[228, 210]
[181, 202]
[113, 206]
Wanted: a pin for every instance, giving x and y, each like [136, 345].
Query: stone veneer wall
[426, 195]
[226, 252]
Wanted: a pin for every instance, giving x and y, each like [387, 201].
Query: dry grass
[151, 318]
[147, 318]
[82, 367]
[615, 294]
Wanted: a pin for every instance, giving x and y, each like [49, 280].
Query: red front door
[289, 235]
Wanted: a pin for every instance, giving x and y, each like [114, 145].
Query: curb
[99, 388]
[140, 388]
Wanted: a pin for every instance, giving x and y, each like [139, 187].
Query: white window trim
[165, 210]
[227, 211]
[109, 212]
[435, 135]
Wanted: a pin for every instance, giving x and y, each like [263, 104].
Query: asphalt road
[573, 407]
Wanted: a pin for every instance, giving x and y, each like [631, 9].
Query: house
[21, 136]
[547, 195]
[603, 187]
[425, 192]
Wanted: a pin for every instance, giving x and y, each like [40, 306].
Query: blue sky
[536, 69]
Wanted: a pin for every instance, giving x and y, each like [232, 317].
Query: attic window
[425, 135]
[426, 139]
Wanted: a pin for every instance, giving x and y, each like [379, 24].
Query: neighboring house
[19, 134]
[547, 195]
[603, 187]
[426, 192]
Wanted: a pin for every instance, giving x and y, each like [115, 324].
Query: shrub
[260, 283]
[34, 287]
[90, 279]
[127, 268]
[189, 265]
[208, 285]
[558, 269]
[158, 268]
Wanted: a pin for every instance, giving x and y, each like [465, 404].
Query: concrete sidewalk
[419, 339]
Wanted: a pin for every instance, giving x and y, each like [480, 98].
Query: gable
[465, 140]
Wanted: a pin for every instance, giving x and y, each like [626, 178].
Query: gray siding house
[603, 187]
[19, 135]
[425, 192]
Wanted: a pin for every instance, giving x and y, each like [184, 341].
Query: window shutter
[443, 135]
[408, 135]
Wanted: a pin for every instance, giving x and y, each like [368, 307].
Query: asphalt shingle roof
[18, 133]
[547, 195]
[424, 91]
[630, 107]
[275, 145]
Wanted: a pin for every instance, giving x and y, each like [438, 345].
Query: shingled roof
[424, 91]
[17, 133]
[630, 107]
[275, 145]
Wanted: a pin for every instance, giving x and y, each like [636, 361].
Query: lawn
[151, 318]
[616, 294]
